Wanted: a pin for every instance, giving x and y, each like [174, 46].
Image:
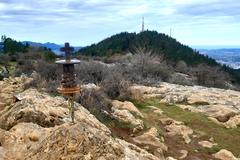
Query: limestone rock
[220, 104]
[125, 116]
[67, 141]
[220, 112]
[133, 152]
[174, 99]
[177, 128]
[184, 154]
[233, 122]
[207, 144]
[126, 106]
[150, 138]
[170, 158]
[224, 155]
[43, 110]
[10, 86]
[38, 127]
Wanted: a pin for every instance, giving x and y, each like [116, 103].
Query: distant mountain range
[229, 56]
[54, 47]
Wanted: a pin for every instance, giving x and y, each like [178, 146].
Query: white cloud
[24, 19]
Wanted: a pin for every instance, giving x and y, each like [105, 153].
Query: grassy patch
[226, 138]
[140, 106]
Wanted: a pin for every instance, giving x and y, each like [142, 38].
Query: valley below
[229, 57]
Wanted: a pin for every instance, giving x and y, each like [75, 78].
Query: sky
[83, 22]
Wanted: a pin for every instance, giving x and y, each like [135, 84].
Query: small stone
[170, 158]
[184, 154]
[224, 155]
[211, 139]
[206, 144]
[34, 136]
[72, 147]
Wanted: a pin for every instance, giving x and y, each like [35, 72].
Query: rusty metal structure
[68, 86]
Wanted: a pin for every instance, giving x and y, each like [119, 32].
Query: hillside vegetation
[157, 42]
[160, 44]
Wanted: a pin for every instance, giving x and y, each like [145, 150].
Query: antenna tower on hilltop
[143, 24]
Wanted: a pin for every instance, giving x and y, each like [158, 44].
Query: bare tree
[210, 76]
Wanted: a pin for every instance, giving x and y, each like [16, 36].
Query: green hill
[157, 42]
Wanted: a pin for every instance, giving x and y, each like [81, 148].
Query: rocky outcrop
[125, 116]
[133, 152]
[9, 87]
[150, 139]
[126, 105]
[37, 126]
[195, 95]
[222, 105]
[233, 122]
[225, 155]
[177, 128]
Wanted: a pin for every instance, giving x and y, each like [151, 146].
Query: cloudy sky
[82, 22]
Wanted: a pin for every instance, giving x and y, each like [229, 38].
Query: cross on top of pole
[67, 49]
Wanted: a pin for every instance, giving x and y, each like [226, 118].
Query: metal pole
[71, 107]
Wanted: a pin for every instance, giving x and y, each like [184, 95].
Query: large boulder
[125, 116]
[126, 105]
[67, 141]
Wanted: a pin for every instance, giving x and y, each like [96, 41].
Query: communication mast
[143, 25]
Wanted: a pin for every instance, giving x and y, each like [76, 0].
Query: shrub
[96, 102]
[91, 72]
[182, 67]
[210, 76]
[150, 66]
[115, 84]
[4, 59]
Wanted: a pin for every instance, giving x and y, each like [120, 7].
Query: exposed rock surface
[170, 158]
[233, 122]
[10, 86]
[150, 138]
[177, 128]
[38, 126]
[184, 154]
[126, 106]
[225, 155]
[125, 116]
[223, 105]
[207, 144]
